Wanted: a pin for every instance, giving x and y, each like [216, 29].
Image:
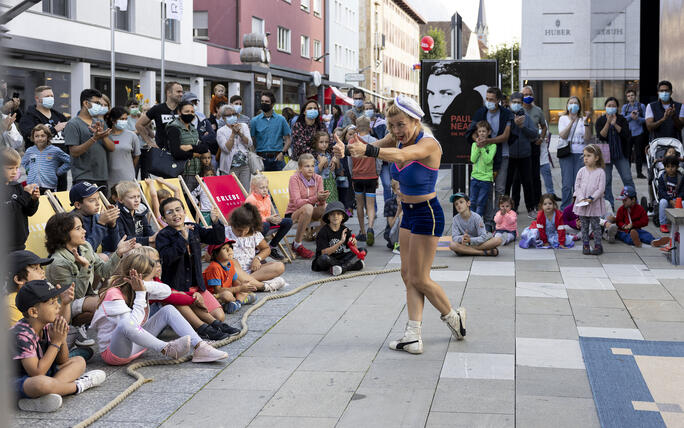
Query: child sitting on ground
[468, 234]
[332, 241]
[245, 225]
[631, 218]
[101, 229]
[24, 266]
[669, 189]
[506, 221]
[262, 200]
[44, 370]
[307, 201]
[549, 224]
[133, 219]
[231, 285]
[365, 182]
[20, 202]
[44, 162]
[124, 328]
[482, 177]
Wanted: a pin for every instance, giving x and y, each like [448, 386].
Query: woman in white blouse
[234, 140]
[575, 131]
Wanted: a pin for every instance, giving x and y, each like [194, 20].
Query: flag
[174, 9]
[121, 4]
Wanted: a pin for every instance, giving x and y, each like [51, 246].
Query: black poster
[451, 92]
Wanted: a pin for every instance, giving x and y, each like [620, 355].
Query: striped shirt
[43, 167]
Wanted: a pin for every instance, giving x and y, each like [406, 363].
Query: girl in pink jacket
[506, 221]
[307, 201]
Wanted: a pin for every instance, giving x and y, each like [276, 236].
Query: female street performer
[416, 160]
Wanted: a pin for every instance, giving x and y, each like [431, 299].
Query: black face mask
[187, 118]
[266, 107]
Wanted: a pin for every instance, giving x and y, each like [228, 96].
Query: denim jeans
[285, 225]
[271, 164]
[644, 237]
[664, 204]
[386, 181]
[570, 166]
[625, 175]
[479, 193]
[548, 178]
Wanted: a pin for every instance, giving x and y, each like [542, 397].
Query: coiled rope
[141, 380]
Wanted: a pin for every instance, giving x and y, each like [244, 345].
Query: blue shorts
[423, 218]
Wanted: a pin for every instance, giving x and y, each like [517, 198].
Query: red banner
[226, 192]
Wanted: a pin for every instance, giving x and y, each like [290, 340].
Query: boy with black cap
[332, 252]
[101, 229]
[24, 266]
[44, 371]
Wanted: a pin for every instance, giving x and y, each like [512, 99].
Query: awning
[341, 99]
[375, 94]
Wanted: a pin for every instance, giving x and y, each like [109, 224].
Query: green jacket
[483, 162]
[64, 270]
[187, 136]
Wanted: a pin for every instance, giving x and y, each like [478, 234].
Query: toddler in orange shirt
[260, 198]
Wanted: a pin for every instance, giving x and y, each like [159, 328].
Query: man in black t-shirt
[162, 114]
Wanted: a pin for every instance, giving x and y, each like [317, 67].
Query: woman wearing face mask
[124, 159]
[612, 128]
[184, 144]
[234, 141]
[308, 123]
[575, 131]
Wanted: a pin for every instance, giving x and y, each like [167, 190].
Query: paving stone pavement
[321, 358]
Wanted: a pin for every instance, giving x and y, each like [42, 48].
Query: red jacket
[636, 212]
[540, 224]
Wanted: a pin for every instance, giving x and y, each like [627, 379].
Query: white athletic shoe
[177, 348]
[456, 321]
[205, 353]
[336, 270]
[82, 338]
[46, 403]
[411, 342]
[89, 380]
[275, 284]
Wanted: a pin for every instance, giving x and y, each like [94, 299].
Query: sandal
[491, 253]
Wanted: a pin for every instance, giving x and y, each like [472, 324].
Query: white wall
[560, 40]
[90, 29]
[343, 32]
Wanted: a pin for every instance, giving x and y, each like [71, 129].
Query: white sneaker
[456, 320]
[411, 342]
[274, 284]
[46, 403]
[336, 270]
[177, 348]
[205, 353]
[612, 232]
[89, 380]
[82, 338]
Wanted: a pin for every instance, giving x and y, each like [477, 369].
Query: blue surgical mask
[516, 107]
[611, 110]
[358, 103]
[573, 108]
[664, 96]
[103, 110]
[95, 110]
[121, 124]
[311, 114]
[528, 100]
[231, 120]
[48, 102]
[237, 108]
[490, 105]
[370, 113]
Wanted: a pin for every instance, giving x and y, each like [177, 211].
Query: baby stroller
[654, 162]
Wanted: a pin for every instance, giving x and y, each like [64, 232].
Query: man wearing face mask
[535, 113]
[500, 119]
[523, 135]
[350, 116]
[634, 112]
[85, 136]
[662, 116]
[271, 134]
[43, 113]
[236, 102]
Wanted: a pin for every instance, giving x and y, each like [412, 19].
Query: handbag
[161, 163]
[256, 164]
[565, 150]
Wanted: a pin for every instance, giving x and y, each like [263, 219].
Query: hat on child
[212, 248]
[34, 292]
[457, 196]
[83, 190]
[19, 260]
[628, 192]
[334, 207]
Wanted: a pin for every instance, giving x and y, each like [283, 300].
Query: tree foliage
[502, 55]
[439, 49]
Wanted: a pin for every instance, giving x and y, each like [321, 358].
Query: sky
[504, 17]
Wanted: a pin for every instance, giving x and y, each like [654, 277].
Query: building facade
[342, 38]
[579, 48]
[389, 45]
[452, 35]
[66, 44]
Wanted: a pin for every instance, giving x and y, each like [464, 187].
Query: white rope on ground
[141, 380]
